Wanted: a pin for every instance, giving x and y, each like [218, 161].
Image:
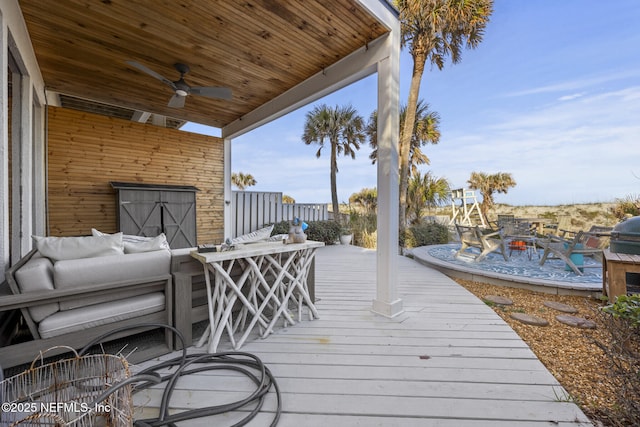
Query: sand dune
[571, 217]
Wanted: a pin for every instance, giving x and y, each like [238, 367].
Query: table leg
[219, 316]
[224, 315]
[270, 297]
[297, 274]
[269, 281]
[208, 333]
[302, 275]
[237, 289]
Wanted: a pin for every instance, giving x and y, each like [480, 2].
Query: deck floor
[449, 360]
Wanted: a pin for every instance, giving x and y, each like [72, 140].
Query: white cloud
[581, 149]
[578, 83]
[572, 96]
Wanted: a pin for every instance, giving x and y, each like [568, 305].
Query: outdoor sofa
[71, 301]
[72, 289]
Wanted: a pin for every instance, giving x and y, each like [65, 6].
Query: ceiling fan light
[181, 92]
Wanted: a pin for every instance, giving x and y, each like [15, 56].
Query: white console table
[273, 275]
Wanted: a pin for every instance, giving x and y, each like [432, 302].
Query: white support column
[15, 145]
[39, 169]
[26, 166]
[4, 149]
[387, 302]
[15, 38]
[228, 224]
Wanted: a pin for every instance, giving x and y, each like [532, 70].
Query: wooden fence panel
[254, 209]
[305, 211]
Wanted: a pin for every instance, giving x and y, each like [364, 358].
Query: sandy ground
[570, 217]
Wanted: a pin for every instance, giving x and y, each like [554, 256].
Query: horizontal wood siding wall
[87, 151]
[254, 209]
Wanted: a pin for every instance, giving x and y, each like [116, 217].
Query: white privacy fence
[251, 210]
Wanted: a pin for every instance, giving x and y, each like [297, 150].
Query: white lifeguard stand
[466, 209]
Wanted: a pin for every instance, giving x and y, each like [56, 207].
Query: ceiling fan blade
[176, 101]
[211, 91]
[152, 73]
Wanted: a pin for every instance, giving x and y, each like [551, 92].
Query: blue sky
[551, 95]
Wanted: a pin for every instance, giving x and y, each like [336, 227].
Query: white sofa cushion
[82, 273]
[37, 276]
[65, 322]
[65, 248]
[135, 244]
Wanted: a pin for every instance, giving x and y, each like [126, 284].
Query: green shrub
[364, 228]
[321, 231]
[629, 206]
[368, 239]
[324, 231]
[621, 346]
[281, 227]
[626, 308]
[428, 233]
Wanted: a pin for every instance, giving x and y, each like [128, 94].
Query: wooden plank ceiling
[257, 48]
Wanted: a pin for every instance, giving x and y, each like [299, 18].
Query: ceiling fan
[181, 88]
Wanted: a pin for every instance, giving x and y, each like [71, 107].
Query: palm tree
[367, 199]
[425, 131]
[434, 30]
[425, 192]
[488, 184]
[242, 180]
[437, 190]
[343, 129]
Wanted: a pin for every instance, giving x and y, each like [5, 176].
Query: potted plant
[346, 235]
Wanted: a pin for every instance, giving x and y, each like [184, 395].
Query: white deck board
[448, 361]
[391, 408]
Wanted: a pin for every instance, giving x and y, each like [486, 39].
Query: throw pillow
[59, 248]
[254, 236]
[136, 244]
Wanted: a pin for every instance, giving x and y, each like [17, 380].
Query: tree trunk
[487, 204]
[334, 187]
[419, 60]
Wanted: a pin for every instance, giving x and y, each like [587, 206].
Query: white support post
[27, 129]
[39, 169]
[4, 149]
[228, 208]
[26, 166]
[387, 302]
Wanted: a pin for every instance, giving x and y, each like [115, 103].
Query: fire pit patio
[520, 270]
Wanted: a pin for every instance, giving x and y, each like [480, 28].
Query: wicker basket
[77, 391]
